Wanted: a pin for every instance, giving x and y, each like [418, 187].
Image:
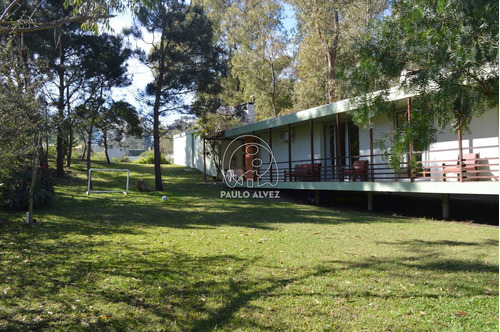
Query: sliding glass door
[341, 146]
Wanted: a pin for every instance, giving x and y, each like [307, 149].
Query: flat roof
[319, 112]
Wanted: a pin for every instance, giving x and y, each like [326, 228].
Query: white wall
[180, 153]
[484, 132]
[482, 138]
[300, 146]
[188, 151]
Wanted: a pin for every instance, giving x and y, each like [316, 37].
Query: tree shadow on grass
[419, 263]
[158, 290]
[118, 214]
[102, 285]
[111, 292]
[417, 243]
[94, 283]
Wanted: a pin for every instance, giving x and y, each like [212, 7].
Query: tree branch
[479, 81]
[50, 25]
[8, 9]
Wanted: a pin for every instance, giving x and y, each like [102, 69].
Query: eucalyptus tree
[259, 54]
[326, 30]
[261, 59]
[23, 109]
[183, 58]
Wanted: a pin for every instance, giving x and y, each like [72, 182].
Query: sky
[141, 75]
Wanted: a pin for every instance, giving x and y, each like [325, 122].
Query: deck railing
[426, 166]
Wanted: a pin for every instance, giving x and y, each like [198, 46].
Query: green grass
[200, 263]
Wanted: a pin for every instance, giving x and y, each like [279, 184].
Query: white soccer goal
[107, 170]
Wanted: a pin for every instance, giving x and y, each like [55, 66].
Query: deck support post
[289, 151]
[271, 153]
[339, 150]
[372, 170]
[317, 197]
[204, 162]
[446, 206]
[312, 146]
[370, 201]
[410, 147]
[460, 155]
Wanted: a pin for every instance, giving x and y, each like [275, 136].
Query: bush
[99, 156]
[77, 154]
[14, 195]
[123, 159]
[149, 158]
[52, 151]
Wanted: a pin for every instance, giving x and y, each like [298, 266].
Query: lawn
[197, 262]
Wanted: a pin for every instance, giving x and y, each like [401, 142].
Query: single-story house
[322, 149]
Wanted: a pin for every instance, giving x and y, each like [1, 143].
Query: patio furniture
[359, 169]
[304, 172]
[468, 169]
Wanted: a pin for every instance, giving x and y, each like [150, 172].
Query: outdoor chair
[468, 169]
[359, 169]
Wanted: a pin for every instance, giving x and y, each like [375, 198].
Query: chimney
[249, 109]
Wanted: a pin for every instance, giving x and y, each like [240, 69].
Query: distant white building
[113, 152]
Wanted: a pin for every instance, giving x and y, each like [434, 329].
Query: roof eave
[341, 106]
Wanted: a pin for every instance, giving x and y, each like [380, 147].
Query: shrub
[148, 157]
[99, 156]
[123, 159]
[77, 154]
[52, 151]
[15, 194]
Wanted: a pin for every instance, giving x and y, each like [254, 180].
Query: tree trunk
[460, 155]
[89, 144]
[32, 190]
[105, 142]
[43, 158]
[34, 173]
[332, 61]
[84, 150]
[70, 144]
[47, 148]
[273, 95]
[156, 145]
[156, 119]
[69, 153]
[60, 112]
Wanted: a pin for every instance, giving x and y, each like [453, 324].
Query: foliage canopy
[444, 52]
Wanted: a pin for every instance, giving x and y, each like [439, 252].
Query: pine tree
[183, 59]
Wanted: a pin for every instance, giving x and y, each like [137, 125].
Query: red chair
[305, 172]
[468, 169]
[359, 168]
